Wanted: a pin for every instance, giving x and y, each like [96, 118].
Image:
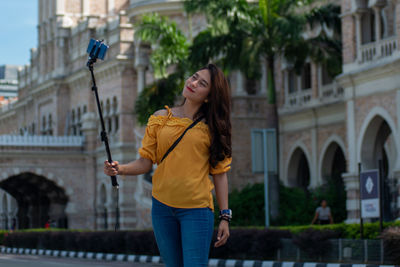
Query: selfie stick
[94, 49]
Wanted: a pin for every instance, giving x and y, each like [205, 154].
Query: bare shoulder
[161, 112]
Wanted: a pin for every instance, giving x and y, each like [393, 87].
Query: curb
[157, 259]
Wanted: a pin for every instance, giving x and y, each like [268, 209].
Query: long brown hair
[217, 112]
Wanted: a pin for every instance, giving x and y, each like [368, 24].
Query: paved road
[9, 260]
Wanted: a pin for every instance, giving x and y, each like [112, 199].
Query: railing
[7, 106]
[41, 140]
[338, 250]
[299, 98]
[376, 50]
[331, 92]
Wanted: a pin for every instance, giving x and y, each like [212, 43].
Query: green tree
[170, 49]
[241, 35]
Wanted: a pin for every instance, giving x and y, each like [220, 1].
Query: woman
[182, 210]
[323, 214]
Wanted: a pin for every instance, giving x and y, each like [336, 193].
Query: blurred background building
[51, 155]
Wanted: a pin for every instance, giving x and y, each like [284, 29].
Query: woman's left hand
[223, 233]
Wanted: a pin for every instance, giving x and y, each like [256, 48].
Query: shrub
[296, 207]
[315, 242]
[254, 243]
[391, 242]
[247, 206]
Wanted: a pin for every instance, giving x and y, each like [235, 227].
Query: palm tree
[171, 48]
[242, 35]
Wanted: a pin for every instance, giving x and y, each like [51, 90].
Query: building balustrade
[41, 141]
[302, 99]
[331, 92]
[299, 98]
[376, 50]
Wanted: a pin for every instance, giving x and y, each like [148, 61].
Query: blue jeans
[183, 235]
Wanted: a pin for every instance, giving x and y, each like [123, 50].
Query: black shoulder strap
[180, 138]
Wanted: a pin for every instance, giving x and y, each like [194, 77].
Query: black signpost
[359, 189]
[370, 196]
[381, 195]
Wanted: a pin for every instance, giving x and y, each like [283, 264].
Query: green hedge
[244, 243]
[349, 231]
[296, 206]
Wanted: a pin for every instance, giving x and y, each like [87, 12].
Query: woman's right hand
[111, 169]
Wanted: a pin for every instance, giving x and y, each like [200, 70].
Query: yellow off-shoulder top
[182, 179]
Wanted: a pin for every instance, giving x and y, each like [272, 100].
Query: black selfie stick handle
[103, 133]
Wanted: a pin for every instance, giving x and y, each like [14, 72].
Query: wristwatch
[225, 213]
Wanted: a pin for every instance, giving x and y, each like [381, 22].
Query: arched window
[116, 123]
[73, 116]
[115, 105]
[368, 27]
[115, 112]
[79, 122]
[107, 112]
[50, 125]
[109, 124]
[292, 81]
[73, 122]
[79, 114]
[306, 77]
[44, 125]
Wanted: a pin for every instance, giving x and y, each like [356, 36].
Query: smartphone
[97, 49]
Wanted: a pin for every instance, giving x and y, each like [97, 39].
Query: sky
[18, 31]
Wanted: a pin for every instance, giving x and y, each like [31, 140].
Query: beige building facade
[330, 126]
[51, 155]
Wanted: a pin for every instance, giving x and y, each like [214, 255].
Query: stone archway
[298, 170]
[5, 212]
[38, 199]
[332, 167]
[378, 144]
[103, 207]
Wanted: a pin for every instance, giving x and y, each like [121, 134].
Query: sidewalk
[157, 259]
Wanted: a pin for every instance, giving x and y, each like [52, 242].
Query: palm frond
[170, 42]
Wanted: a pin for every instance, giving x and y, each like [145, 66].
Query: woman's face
[197, 86]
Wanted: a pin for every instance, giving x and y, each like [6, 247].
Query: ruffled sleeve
[222, 166]
[149, 141]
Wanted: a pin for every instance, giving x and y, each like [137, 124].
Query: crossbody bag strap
[180, 138]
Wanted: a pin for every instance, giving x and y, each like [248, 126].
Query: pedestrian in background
[182, 210]
[323, 214]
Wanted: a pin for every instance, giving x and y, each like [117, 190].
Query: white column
[85, 7]
[40, 15]
[264, 78]
[358, 35]
[110, 6]
[60, 9]
[351, 138]
[141, 63]
[240, 84]
[315, 180]
[50, 8]
[319, 79]
[45, 9]
[141, 78]
[377, 13]
[60, 55]
[286, 82]
[397, 164]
